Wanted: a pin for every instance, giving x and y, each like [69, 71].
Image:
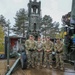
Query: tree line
[48, 26]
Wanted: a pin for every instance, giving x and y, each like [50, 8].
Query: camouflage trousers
[31, 58]
[47, 58]
[59, 60]
[39, 57]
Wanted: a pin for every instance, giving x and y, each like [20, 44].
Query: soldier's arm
[51, 48]
[55, 47]
[61, 47]
[27, 45]
[34, 46]
[44, 47]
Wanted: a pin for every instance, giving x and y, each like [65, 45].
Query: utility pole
[8, 45]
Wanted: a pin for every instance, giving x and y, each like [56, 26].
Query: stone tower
[34, 9]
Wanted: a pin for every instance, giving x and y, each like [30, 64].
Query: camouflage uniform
[43, 41]
[59, 54]
[31, 47]
[48, 46]
[39, 47]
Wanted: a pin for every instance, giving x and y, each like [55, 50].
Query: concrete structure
[34, 9]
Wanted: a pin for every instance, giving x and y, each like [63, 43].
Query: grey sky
[54, 8]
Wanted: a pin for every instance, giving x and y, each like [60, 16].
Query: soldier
[48, 46]
[43, 39]
[39, 47]
[59, 54]
[30, 45]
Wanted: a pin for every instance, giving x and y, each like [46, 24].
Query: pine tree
[48, 27]
[20, 19]
[4, 24]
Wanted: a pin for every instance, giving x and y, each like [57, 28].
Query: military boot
[61, 68]
[50, 66]
[41, 65]
[56, 66]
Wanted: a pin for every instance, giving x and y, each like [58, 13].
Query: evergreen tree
[4, 24]
[20, 19]
[2, 21]
[48, 27]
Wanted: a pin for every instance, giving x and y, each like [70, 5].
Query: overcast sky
[54, 8]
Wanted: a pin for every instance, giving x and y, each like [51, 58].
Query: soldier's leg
[50, 60]
[57, 60]
[61, 61]
[41, 53]
[37, 57]
[45, 59]
[33, 58]
[29, 58]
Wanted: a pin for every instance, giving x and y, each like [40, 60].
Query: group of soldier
[39, 53]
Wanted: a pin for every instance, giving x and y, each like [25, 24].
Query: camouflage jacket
[39, 45]
[48, 45]
[59, 47]
[30, 44]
